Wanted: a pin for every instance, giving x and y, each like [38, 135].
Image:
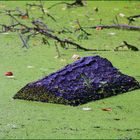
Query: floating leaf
[107, 109]
[76, 57]
[9, 73]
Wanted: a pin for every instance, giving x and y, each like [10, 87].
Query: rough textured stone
[90, 78]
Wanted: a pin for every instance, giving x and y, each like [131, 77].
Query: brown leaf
[107, 109]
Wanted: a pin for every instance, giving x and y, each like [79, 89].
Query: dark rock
[90, 78]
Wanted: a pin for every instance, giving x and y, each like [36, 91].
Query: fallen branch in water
[129, 46]
[6, 28]
[23, 41]
[81, 28]
[132, 18]
[63, 42]
[59, 3]
[76, 3]
[69, 5]
[116, 26]
[8, 12]
[135, 16]
[42, 29]
[41, 8]
[17, 12]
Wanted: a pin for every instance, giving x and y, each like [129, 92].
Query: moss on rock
[90, 78]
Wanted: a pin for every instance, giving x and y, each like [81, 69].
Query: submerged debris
[87, 79]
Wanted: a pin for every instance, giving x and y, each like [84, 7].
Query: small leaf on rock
[76, 57]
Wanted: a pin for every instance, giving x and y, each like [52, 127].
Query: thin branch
[28, 29]
[6, 28]
[58, 4]
[42, 9]
[42, 25]
[135, 16]
[69, 5]
[129, 46]
[76, 3]
[45, 41]
[116, 26]
[81, 28]
[132, 18]
[31, 35]
[21, 13]
[23, 41]
[41, 28]
[17, 12]
[65, 30]
[64, 41]
[57, 50]
[9, 14]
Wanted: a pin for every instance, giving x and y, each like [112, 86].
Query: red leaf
[9, 73]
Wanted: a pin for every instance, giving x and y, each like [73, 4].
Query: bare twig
[6, 28]
[116, 26]
[31, 35]
[76, 3]
[42, 25]
[81, 28]
[64, 41]
[57, 50]
[41, 28]
[42, 9]
[28, 29]
[58, 4]
[10, 15]
[45, 41]
[132, 18]
[69, 5]
[17, 12]
[129, 46]
[23, 41]
[21, 13]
